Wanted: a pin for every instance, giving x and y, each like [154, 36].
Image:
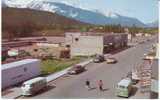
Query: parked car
[99, 58]
[124, 87]
[33, 86]
[149, 56]
[111, 60]
[76, 69]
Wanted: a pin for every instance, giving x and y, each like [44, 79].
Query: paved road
[74, 86]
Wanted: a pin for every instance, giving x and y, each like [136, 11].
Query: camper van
[32, 86]
[123, 88]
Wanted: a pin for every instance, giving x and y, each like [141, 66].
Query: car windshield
[123, 87]
[78, 66]
[111, 58]
[99, 56]
[26, 85]
[23, 85]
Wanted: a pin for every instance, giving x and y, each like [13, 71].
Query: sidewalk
[11, 93]
[61, 73]
[15, 92]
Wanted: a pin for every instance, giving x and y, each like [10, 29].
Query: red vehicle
[76, 69]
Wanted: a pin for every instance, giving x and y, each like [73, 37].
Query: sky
[144, 10]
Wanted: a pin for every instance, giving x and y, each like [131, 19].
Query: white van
[124, 87]
[32, 86]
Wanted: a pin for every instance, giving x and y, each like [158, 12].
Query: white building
[139, 34]
[19, 71]
[87, 44]
[71, 37]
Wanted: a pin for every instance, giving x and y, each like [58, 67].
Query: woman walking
[100, 85]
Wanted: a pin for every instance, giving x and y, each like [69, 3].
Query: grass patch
[51, 66]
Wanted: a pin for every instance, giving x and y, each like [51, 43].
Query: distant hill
[24, 22]
[153, 24]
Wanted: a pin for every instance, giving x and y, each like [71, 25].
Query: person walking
[100, 85]
[87, 84]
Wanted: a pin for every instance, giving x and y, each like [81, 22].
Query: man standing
[87, 84]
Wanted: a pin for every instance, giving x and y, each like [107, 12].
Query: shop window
[35, 50]
[76, 39]
[68, 46]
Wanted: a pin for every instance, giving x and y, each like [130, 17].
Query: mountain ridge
[153, 24]
[84, 15]
[27, 21]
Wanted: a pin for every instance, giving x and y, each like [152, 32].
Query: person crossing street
[100, 85]
[88, 84]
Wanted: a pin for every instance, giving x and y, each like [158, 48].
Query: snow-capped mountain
[17, 3]
[87, 16]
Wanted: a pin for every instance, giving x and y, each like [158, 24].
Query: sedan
[111, 60]
[99, 58]
[76, 69]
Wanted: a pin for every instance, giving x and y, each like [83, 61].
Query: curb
[17, 97]
[63, 72]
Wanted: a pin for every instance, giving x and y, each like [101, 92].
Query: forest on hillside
[26, 23]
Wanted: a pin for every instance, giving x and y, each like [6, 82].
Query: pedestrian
[87, 84]
[100, 85]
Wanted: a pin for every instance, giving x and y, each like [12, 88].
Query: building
[71, 37]
[34, 47]
[129, 37]
[14, 44]
[87, 44]
[157, 51]
[154, 93]
[23, 42]
[19, 71]
[4, 51]
[147, 34]
[139, 34]
[53, 40]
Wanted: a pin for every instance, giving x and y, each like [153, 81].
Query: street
[73, 86]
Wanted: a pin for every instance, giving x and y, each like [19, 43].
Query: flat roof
[93, 33]
[52, 39]
[124, 82]
[34, 80]
[18, 63]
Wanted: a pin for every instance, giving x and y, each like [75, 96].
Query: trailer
[19, 71]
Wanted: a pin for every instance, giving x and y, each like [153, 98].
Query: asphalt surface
[73, 86]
